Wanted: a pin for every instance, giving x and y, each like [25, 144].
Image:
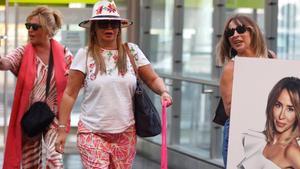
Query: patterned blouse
[39, 88]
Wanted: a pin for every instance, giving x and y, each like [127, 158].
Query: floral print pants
[106, 150]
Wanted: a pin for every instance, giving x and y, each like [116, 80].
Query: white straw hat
[105, 10]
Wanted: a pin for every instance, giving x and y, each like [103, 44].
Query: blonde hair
[258, 44]
[50, 20]
[94, 50]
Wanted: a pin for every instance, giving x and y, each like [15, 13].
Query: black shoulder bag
[39, 116]
[147, 120]
[220, 114]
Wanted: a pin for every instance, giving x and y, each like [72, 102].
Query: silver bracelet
[62, 126]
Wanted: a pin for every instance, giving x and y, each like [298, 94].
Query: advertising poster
[254, 79]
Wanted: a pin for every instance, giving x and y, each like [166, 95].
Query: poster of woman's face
[265, 101]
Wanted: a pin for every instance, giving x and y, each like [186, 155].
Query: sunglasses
[34, 26]
[239, 29]
[105, 24]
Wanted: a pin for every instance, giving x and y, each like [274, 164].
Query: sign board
[245, 4]
[73, 40]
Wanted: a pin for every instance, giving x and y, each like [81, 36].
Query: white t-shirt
[107, 106]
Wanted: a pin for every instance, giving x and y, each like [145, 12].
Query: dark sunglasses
[34, 26]
[239, 29]
[105, 24]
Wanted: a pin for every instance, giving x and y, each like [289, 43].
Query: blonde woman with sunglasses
[241, 38]
[106, 136]
[30, 63]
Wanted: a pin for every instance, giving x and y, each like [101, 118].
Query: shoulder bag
[147, 120]
[220, 115]
[39, 116]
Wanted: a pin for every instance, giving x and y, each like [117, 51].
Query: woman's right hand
[4, 63]
[165, 97]
[61, 140]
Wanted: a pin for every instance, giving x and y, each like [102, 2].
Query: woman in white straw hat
[106, 134]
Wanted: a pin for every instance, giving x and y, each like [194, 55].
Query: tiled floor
[72, 161]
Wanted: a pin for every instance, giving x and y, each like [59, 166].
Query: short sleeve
[68, 58]
[139, 57]
[79, 61]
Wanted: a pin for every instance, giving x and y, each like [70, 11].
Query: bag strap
[131, 58]
[49, 73]
[86, 64]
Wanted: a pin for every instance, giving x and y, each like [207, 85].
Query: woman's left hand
[165, 97]
[61, 140]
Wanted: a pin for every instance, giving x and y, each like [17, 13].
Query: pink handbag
[164, 150]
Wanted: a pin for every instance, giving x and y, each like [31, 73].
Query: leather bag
[147, 119]
[220, 115]
[37, 119]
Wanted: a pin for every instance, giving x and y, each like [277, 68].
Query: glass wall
[196, 58]
[2, 32]
[7, 79]
[288, 46]
[161, 35]
[197, 38]
[192, 132]
[195, 124]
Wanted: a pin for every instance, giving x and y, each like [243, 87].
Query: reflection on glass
[195, 119]
[197, 38]
[161, 35]
[288, 29]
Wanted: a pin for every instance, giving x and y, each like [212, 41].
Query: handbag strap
[49, 73]
[131, 58]
[86, 65]
[164, 150]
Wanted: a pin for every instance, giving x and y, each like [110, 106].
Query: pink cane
[164, 153]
